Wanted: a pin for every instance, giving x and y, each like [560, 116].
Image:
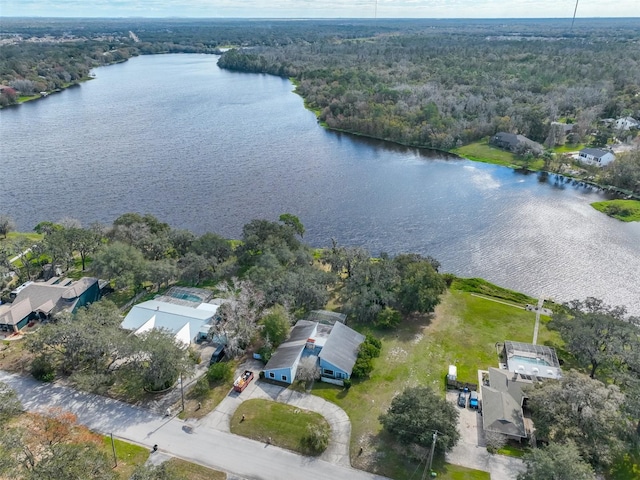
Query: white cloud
[323, 8]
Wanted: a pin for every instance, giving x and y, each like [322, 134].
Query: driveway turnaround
[338, 450]
[196, 442]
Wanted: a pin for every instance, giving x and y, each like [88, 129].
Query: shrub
[388, 318]
[362, 367]
[42, 369]
[371, 340]
[346, 383]
[265, 353]
[220, 372]
[316, 439]
[201, 388]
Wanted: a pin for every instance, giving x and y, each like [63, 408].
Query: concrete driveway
[471, 452]
[338, 450]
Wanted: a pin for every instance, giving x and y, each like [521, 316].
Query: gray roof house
[502, 405]
[514, 143]
[41, 300]
[283, 364]
[334, 346]
[339, 354]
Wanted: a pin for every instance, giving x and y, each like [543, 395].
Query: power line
[574, 16]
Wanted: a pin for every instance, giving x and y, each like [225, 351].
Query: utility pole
[182, 390]
[113, 446]
[433, 448]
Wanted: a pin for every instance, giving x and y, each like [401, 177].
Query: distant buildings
[596, 156]
[515, 143]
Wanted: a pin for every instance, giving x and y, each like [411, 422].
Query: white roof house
[626, 123]
[185, 322]
[596, 156]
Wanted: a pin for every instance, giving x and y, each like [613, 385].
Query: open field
[463, 331]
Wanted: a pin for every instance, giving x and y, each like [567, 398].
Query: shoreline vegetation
[624, 210]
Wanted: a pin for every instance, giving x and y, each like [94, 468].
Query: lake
[208, 150]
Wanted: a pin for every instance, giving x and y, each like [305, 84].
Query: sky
[321, 8]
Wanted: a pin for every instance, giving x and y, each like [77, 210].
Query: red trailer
[242, 381]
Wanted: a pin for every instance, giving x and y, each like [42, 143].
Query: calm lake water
[209, 150]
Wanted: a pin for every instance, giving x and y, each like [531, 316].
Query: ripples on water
[209, 150]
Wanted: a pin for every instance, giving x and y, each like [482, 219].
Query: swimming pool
[532, 361]
[186, 296]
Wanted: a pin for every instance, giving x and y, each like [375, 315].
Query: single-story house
[340, 352]
[41, 300]
[283, 364]
[335, 347]
[596, 156]
[502, 403]
[626, 123]
[515, 143]
[185, 322]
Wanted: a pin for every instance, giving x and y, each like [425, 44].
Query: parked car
[218, 355]
[462, 399]
[473, 400]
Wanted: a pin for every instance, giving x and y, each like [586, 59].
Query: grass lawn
[129, 456]
[463, 331]
[193, 471]
[456, 472]
[209, 401]
[13, 236]
[483, 152]
[625, 210]
[512, 451]
[286, 425]
[568, 148]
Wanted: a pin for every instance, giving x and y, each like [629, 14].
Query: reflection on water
[209, 150]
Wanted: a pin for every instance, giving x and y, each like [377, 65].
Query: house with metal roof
[339, 354]
[185, 322]
[335, 347]
[42, 300]
[283, 364]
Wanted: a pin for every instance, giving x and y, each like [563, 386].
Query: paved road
[199, 443]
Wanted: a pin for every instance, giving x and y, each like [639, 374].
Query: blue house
[335, 347]
[339, 354]
[283, 364]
